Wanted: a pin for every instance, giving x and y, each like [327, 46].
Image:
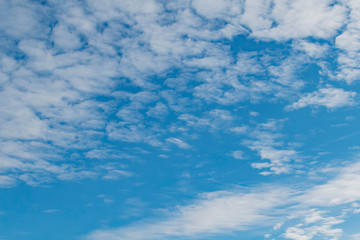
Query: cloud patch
[328, 97]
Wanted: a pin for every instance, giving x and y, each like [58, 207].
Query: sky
[179, 119]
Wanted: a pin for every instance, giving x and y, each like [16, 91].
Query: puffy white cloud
[279, 159]
[277, 20]
[299, 19]
[329, 97]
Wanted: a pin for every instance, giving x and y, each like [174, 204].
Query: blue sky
[187, 119]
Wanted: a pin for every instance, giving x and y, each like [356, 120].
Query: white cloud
[279, 159]
[58, 80]
[238, 154]
[266, 140]
[224, 212]
[217, 212]
[215, 119]
[136, 7]
[292, 19]
[115, 171]
[179, 143]
[349, 44]
[7, 181]
[65, 39]
[217, 8]
[277, 20]
[315, 225]
[329, 97]
[254, 114]
[355, 236]
[50, 105]
[286, 72]
[50, 211]
[342, 189]
[159, 111]
[314, 50]
[240, 130]
[278, 226]
[23, 19]
[133, 133]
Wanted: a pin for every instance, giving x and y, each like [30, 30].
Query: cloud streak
[215, 213]
[236, 210]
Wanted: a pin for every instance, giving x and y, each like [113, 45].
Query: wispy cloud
[266, 140]
[340, 190]
[216, 212]
[178, 142]
[237, 210]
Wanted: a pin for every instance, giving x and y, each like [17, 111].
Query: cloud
[216, 212]
[7, 181]
[213, 120]
[348, 42]
[238, 154]
[240, 130]
[23, 19]
[314, 224]
[340, 190]
[114, 171]
[279, 160]
[355, 236]
[224, 212]
[179, 143]
[266, 140]
[73, 73]
[78, 77]
[217, 8]
[279, 20]
[50, 211]
[290, 19]
[315, 50]
[329, 97]
[65, 39]
[159, 111]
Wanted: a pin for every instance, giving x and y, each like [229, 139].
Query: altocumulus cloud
[94, 89]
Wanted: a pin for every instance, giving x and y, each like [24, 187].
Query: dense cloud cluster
[81, 79]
